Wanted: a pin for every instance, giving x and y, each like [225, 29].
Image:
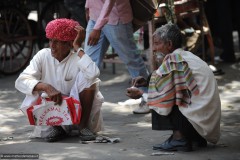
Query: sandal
[86, 135]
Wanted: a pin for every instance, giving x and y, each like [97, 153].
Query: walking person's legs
[121, 39]
[97, 51]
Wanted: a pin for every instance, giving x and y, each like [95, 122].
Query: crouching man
[64, 69]
[182, 93]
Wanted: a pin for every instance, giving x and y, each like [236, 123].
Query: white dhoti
[95, 120]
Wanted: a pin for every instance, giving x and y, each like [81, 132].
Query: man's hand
[94, 37]
[52, 93]
[87, 14]
[139, 82]
[77, 43]
[134, 93]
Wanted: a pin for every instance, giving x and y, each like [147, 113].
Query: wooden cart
[19, 35]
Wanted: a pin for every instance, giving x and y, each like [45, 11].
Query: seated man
[58, 71]
[182, 93]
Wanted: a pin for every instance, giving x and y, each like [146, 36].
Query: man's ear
[70, 44]
[170, 45]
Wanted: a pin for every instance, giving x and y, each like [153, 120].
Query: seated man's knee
[87, 95]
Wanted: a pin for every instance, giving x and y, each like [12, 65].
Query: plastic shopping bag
[44, 112]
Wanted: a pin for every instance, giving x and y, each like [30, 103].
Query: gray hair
[169, 32]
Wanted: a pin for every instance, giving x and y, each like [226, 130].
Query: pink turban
[61, 29]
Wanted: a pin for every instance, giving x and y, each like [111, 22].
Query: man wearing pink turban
[64, 69]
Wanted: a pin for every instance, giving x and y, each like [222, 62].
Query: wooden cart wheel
[16, 41]
[52, 10]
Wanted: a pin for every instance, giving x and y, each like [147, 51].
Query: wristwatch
[79, 49]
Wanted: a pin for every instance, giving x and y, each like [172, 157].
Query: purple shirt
[109, 12]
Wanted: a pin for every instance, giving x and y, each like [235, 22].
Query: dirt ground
[134, 131]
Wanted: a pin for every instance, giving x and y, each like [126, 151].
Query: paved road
[134, 131]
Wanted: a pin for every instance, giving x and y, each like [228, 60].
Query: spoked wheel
[16, 41]
[53, 10]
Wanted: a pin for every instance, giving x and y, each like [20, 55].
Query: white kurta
[69, 76]
[61, 75]
[204, 112]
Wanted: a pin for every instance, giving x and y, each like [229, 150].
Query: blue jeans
[120, 37]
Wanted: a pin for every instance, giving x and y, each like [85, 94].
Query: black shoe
[56, 133]
[174, 145]
[86, 135]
